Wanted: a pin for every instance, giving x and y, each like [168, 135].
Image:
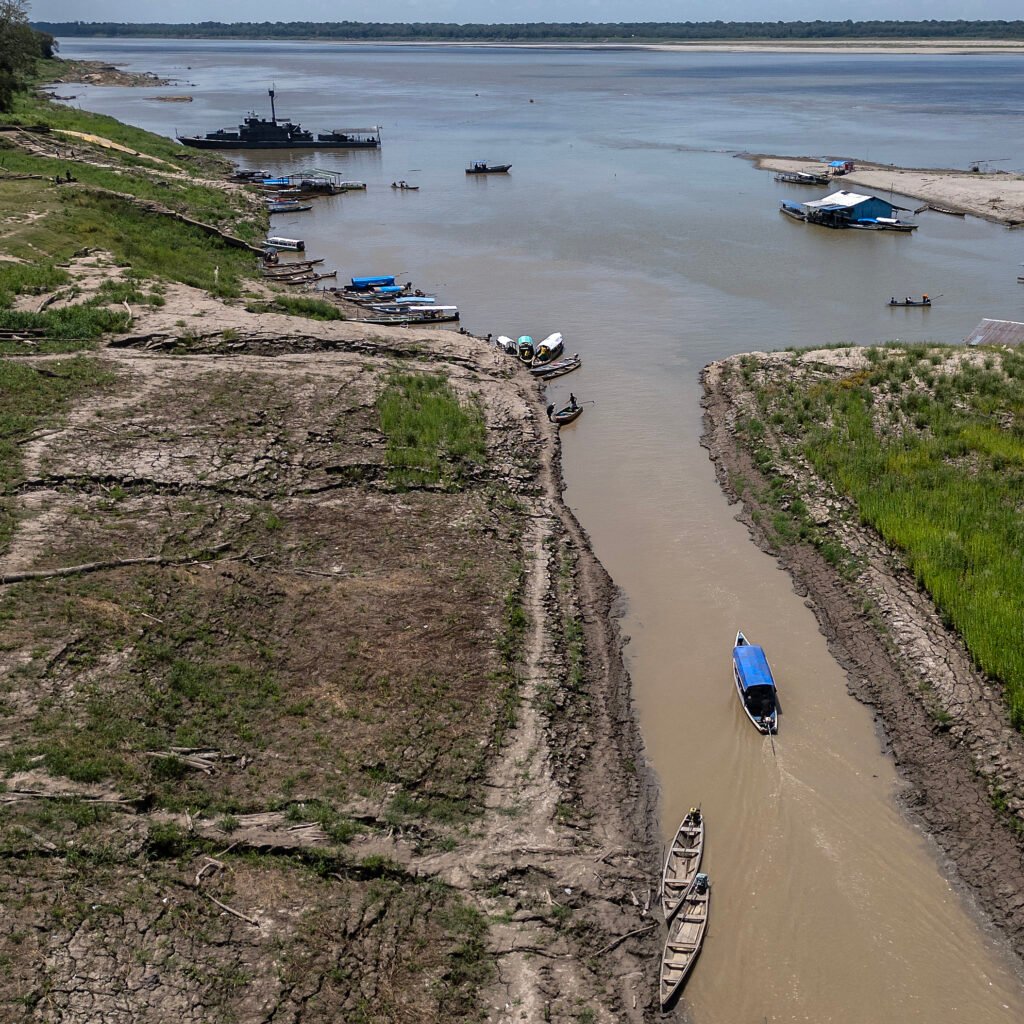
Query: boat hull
[683, 945]
[682, 862]
[198, 142]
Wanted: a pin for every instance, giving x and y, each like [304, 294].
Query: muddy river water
[629, 224]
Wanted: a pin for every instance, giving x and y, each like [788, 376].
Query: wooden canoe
[685, 938]
[557, 368]
[682, 862]
[566, 415]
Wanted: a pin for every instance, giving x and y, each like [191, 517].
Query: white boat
[685, 938]
[294, 244]
[549, 349]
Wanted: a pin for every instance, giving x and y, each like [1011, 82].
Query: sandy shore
[997, 197]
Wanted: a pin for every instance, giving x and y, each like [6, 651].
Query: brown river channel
[627, 224]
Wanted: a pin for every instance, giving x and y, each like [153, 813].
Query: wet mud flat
[284, 738]
[944, 722]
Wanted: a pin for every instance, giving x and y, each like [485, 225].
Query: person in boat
[892, 300]
[694, 815]
[572, 401]
[926, 300]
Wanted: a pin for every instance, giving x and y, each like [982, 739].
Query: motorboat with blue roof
[755, 685]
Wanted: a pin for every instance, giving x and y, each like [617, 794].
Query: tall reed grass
[941, 477]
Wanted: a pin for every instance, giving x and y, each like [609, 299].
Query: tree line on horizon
[686, 31]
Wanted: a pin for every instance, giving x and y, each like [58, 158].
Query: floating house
[844, 209]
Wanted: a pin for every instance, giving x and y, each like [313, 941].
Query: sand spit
[997, 197]
[945, 724]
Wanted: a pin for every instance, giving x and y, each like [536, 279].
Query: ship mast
[273, 115]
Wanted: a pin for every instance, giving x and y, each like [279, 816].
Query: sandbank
[995, 196]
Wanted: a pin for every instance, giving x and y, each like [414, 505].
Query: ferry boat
[259, 133]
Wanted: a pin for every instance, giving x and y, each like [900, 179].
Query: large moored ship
[259, 133]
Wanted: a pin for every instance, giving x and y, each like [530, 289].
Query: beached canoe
[682, 862]
[755, 685]
[685, 938]
[545, 371]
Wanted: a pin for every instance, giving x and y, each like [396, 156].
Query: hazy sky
[490, 11]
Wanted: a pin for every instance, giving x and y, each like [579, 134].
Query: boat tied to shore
[560, 367]
[275, 242]
[685, 938]
[549, 349]
[682, 862]
[801, 178]
[257, 132]
[755, 685]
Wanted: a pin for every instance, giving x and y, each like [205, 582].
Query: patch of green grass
[294, 305]
[938, 471]
[433, 438]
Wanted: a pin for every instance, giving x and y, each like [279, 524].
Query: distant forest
[624, 32]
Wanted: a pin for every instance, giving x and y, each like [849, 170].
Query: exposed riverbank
[294, 725]
[996, 197]
[946, 724]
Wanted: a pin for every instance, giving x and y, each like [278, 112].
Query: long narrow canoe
[685, 938]
[557, 368]
[682, 862]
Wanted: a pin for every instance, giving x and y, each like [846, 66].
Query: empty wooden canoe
[685, 938]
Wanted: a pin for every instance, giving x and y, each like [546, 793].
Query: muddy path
[945, 725]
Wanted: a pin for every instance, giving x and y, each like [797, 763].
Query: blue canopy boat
[755, 685]
[382, 280]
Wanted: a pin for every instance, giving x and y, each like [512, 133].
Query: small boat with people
[549, 349]
[525, 348]
[755, 685]
[560, 367]
[908, 301]
[483, 167]
[682, 862]
[685, 937]
[404, 186]
[567, 413]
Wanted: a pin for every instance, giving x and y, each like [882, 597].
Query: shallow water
[628, 224]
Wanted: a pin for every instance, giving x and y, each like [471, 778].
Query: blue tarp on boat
[752, 666]
[276, 181]
[389, 289]
[372, 282]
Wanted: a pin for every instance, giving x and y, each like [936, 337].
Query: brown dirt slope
[296, 744]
